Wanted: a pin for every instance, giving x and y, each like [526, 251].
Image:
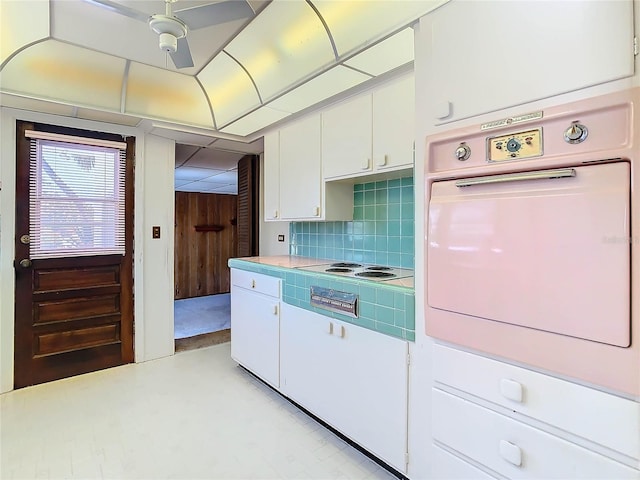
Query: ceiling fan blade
[215, 13]
[182, 56]
[121, 9]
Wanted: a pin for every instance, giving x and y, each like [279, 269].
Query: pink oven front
[530, 240]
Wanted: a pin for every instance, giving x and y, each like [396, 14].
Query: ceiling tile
[193, 173]
[255, 147]
[324, 86]
[213, 158]
[255, 121]
[226, 177]
[184, 152]
[391, 53]
[179, 183]
[286, 43]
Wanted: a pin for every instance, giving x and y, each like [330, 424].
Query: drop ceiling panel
[163, 94]
[22, 23]
[391, 53]
[212, 158]
[67, 73]
[225, 178]
[229, 89]
[184, 153]
[283, 45]
[24, 103]
[324, 86]
[193, 173]
[255, 147]
[374, 19]
[255, 121]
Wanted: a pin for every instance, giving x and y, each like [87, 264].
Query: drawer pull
[253, 283]
[330, 328]
[275, 309]
[511, 389]
[342, 331]
[511, 453]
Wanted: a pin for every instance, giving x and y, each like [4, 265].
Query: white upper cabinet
[393, 125]
[479, 57]
[271, 176]
[300, 170]
[370, 133]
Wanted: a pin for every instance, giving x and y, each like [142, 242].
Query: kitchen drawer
[447, 466]
[603, 418]
[512, 448]
[256, 282]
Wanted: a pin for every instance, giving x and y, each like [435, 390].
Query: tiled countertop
[384, 306]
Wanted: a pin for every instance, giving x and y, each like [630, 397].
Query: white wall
[153, 259]
[420, 375]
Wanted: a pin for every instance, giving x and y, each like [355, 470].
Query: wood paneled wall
[201, 256]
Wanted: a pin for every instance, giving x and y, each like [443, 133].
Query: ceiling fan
[172, 27]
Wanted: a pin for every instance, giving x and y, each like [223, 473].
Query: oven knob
[513, 145]
[576, 133]
[462, 152]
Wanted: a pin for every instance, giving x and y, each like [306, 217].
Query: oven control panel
[515, 146]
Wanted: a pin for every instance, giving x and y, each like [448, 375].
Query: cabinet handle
[275, 214]
[275, 309]
[365, 164]
[330, 328]
[253, 283]
[316, 211]
[383, 160]
[342, 331]
[511, 452]
[511, 389]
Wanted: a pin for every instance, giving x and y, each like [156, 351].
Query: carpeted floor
[200, 315]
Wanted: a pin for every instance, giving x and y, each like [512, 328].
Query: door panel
[73, 315]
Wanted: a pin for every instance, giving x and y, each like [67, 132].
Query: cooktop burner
[379, 267]
[345, 265]
[374, 274]
[338, 270]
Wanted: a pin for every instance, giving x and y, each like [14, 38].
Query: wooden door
[248, 217]
[73, 315]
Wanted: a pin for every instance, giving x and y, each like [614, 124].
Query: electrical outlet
[281, 238]
[155, 232]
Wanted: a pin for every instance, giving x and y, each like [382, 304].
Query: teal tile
[393, 195]
[358, 242]
[369, 242]
[367, 310]
[367, 293]
[395, 259]
[369, 256]
[369, 228]
[329, 227]
[367, 323]
[410, 311]
[407, 194]
[384, 315]
[393, 228]
[399, 319]
[406, 245]
[406, 261]
[370, 212]
[407, 227]
[385, 297]
[381, 184]
[393, 211]
[393, 245]
[369, 197]
[369, 186]
[406, 211]
[381, 257]
[410, 335]
[381, 243]
[358, 198]
[313, 227]
[399, 301]
[305, 227]
[390, 329]
[381, 228]
[406, 181]
[358, 213]
[322, 227]
[396, 182]
[381, 212]
[358, 228]
[358, 187]
[381, 197]
[348, 228]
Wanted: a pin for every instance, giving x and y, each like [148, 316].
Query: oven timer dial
[463, 152]
[576, 133]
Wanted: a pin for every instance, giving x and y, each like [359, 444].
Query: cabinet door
[393, 125]
[353, 378]
[300, 173]
[346, 138]
[255, 340]
[271, 176]
[477, 64]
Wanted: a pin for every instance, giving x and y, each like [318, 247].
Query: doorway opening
[216, 212]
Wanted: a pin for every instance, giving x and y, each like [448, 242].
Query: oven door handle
[516, 177]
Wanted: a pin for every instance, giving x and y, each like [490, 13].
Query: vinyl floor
[194, 415]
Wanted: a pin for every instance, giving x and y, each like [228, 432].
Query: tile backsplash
[382, 230]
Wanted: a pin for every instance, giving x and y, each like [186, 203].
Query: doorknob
[25, 263]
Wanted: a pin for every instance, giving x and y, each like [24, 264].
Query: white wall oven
[532, 240]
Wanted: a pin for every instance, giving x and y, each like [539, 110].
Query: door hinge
[406, 460]
[408, 358]
[635, 46]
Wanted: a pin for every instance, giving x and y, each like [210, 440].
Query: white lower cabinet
[255, 324]
[352, 378]
[518, 423]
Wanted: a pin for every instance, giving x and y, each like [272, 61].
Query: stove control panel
[515, 146]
